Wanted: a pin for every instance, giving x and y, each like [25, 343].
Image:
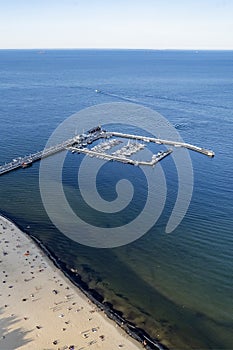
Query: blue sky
[152, 24]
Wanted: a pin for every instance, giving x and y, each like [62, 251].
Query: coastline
[102, 326]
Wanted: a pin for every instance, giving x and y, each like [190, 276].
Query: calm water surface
[178, 287]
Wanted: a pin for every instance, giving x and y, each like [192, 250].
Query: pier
[204, 151]
[26, 161]
[121, 158]
[80, 143]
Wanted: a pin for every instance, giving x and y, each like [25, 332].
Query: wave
[158, 97]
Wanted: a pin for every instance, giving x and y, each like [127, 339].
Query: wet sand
[41, 309]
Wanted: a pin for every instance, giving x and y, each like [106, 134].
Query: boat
[26, 164]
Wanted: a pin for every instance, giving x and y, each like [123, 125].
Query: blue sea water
[177, 287]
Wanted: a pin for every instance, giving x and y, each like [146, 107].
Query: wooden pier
[79, 144]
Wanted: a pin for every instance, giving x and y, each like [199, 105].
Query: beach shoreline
[41, 308]
[101, 327]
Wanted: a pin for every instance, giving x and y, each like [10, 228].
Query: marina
[121, 158]
[79, 144]
[191, 267]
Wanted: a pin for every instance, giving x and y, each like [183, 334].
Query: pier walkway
[79, 144]
[23, 162]
[204, 151]
[155, 158]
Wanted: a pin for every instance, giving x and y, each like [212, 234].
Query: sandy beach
[41, 309]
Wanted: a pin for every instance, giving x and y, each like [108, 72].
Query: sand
[41, 309]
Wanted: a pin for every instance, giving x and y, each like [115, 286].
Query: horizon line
[119, 48]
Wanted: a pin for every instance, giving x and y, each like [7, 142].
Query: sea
[177, 286]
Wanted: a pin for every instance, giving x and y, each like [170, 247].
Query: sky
[126, 24]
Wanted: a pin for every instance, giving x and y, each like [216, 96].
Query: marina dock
[204, 151]
[80, 143]
[121, 158]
